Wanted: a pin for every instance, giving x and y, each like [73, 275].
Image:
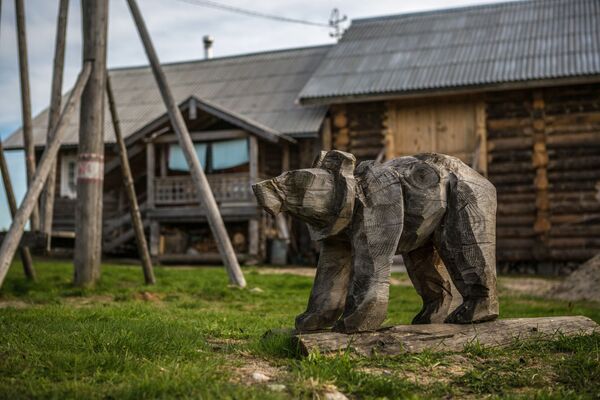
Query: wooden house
[246, 126]
[513, 89]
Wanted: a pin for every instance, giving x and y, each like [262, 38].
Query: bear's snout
[267, 196]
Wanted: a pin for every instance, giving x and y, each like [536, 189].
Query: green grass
[192, 336]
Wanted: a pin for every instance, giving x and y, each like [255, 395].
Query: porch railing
[179, 190]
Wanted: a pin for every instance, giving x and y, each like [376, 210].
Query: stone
[260, 377]
[433, 209]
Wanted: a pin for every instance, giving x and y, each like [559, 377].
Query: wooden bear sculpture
[419, 206]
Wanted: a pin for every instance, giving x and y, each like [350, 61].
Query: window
[68, 176]
[214, 156]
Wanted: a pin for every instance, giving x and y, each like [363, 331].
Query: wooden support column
[134, 209]
[26, 105]
[540, 163]
[326, 139]
[253, 223]
[481, 132]
[90, 162]
[341, 139]
[205, 195]
[15, 233]
[53, 114]
[150, 177]
[390, 129]
[12, 204]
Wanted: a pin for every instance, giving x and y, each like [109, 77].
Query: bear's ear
[341, 165]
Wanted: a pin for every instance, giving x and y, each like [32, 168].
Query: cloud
[177, 28]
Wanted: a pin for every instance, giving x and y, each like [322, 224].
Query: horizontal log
[575, 175]
[574, 218]
[575, 207]
[515, 232]
[515, 220]
[574, 140]
[510, 166]
[581, 230]
[518, 243]
[403, 339]
[511, 178]
[574, 242]
[511, 255]
[508, 123]
[516, 208]
[572, 254]
[558, 163]
[516, 143]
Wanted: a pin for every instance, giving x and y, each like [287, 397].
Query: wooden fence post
[53, 114]
[12, 204]
[90, 158]
[14, 234]
[134, 209]
[204, 192]
[26, 104]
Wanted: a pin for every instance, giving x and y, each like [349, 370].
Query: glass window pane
[229, 153]
[177, 159]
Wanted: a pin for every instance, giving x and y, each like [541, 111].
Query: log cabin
[245, 125]
[513, 89]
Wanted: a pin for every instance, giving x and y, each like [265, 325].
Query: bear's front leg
[328, 294]
[367, 301]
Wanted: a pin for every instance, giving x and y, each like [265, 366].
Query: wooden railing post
[205, 195]
[15, 233]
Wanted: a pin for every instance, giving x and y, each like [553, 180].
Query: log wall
[544, 158]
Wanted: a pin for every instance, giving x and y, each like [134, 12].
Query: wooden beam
[27, 128]
[90, 159]
[403, 339]
[134, 209]
[481, 133]
[12, 204]
[14, 234]
[205, 195]
[53, 114]
[150, 174]
[205, 136]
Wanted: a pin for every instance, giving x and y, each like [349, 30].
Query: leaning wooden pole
[134, 209]
[90, 163]
[26, 104]
[53, 114]
[12, 204]
[15, 233]
[204, 192]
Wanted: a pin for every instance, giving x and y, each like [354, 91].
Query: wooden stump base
[444, 337]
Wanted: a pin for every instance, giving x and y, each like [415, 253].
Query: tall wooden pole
[12, 204]
[90, 163]
[53, 114]
[203, 190]
[134, 209]
[26, 104]
[15, 233]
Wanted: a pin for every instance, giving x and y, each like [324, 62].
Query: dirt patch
[14, 304]
[246, 369]
[148, 296]
[522, 285]
[582, 284]
[298, 271]
[77, 301]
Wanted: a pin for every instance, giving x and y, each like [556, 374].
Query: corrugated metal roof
[261, 87]
[471, 46]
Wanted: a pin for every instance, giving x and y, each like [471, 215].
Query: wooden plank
[11, 241]
[53, 114]
[205, 195]
[404, 339]
[205, 136]
[150, 174]
[12, 205]
[134, 209]
[27, 128]
[90, 157]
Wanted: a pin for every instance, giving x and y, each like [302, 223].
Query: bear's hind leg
[425, 270]
[466, 242]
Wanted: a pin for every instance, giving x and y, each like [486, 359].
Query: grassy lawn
[191, 336]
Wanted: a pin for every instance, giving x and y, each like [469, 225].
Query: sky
[177, 28]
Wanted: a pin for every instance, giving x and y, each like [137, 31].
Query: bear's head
[322, 196]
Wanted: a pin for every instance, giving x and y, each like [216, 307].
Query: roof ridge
[229, 57]
[449, 10]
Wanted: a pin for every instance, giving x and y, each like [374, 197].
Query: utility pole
[53, 114]
[203, 190]
[90, 163]
[26, 104]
